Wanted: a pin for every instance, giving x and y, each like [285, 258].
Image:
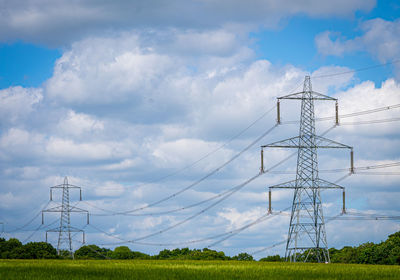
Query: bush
[243, 257]
[92, 252]
[274, 258]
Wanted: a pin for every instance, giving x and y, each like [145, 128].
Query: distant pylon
[307, 236]
[65, 209]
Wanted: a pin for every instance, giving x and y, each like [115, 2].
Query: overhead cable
[196, 182]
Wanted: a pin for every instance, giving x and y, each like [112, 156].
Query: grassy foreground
[153, 269]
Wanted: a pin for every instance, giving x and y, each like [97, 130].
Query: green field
[154, 269]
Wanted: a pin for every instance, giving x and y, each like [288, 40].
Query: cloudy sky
[135, 101]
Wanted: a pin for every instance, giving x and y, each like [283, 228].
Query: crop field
[153, 269]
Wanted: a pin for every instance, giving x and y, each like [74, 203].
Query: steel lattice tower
[65, 229]
[307, 236]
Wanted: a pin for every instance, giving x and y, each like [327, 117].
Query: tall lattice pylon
[307, 236]
[65, 229]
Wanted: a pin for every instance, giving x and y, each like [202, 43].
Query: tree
[92, 252]
[243, 257]
[39, 250]
[122, 253]
[274, 258]
[6, 247]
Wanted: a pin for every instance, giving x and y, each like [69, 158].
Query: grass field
[67, 269]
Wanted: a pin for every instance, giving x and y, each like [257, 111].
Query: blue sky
[115, 97]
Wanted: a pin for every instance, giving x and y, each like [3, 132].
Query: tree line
[386, 252]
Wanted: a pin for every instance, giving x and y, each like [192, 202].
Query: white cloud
[60, 22]
[330, 43]
[77, 124]
[180, 152]
[109, 189]
[58, 148]
[124, 164]
[381, 38]
[106, 70]
[365, 96]
[18, 143]
[130, 108]
[16, 103]
[238, 219]
[8, 200]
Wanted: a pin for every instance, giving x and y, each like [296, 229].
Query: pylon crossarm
[286, 185]
[287, 143]
[320, 143]
[323, 184]
[76, 209]
[61, 229]
[323, 142]
[54, 209]
[65, 185]
[314, 96]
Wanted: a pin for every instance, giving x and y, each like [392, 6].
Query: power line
[371, 121]
[365, 112]
[275, 213]
[30, 221]
[128, 213]
[169, 175]
[235, 189]
[38, 228]
[356, 169]
[339, 217]
[196, 182]
[211, 152]
[230, 191]
[230, 233]
[380, 173]
[257, 221]
[353, 114]
[194, 215]
[269, 170]
[285, 240]
[357, 70]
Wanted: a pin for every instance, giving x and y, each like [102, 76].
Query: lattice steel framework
[307, 236]
[65, 229]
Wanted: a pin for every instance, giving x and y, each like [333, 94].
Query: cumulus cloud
[77, 124]
[16, 103]
[122, 111]
[380, 38]
[61, 22]
[180, 152]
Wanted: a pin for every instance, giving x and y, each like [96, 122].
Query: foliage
[124, 253]
[274, 258]
[13, 249]
[187, 254]
[92, 252]
[243, 257]
[386, 252]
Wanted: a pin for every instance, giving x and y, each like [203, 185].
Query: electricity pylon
[65, 209]
[307, 236]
